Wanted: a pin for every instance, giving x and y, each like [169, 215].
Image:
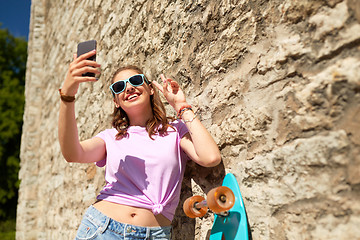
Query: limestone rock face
[277, 84]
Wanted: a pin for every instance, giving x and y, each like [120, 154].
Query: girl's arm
[198, 144]
[91, 150]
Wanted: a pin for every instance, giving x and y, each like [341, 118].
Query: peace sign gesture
[172, 92]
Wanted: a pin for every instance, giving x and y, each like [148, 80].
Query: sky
[15, 16]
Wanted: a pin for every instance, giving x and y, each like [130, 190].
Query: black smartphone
[85, 47]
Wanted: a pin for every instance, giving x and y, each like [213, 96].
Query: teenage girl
[145, 152]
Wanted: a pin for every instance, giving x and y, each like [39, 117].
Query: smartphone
[85, 47]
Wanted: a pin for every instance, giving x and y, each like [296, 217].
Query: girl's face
[132, 97]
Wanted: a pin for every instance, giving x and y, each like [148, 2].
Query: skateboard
[230, 222]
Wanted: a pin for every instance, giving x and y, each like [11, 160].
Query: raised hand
[172, 92]
[77, 68]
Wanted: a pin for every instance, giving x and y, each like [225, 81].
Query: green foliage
[13, 55]
[7, 229]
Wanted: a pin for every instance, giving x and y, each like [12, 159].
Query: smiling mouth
[132, 96]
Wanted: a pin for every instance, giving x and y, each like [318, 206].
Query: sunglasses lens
[119, 86]
[136, 80]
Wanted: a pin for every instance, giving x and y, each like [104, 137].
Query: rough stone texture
[277, 83]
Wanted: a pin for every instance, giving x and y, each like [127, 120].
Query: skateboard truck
[224, 214]
[230, 218]
[219, 200]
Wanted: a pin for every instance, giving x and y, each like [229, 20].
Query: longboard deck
[235, 225]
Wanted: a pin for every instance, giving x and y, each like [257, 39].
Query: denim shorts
[97, 226]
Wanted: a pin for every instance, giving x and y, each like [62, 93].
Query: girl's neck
[141, 117]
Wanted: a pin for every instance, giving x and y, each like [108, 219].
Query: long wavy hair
[158, 124]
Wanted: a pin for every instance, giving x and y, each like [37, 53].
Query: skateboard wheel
[220, 199]
[189, 207]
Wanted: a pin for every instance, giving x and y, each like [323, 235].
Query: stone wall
[277, 84]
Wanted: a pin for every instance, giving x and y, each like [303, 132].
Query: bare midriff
[131, 215]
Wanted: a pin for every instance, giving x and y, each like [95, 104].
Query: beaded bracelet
[66, 98]
[183, 109]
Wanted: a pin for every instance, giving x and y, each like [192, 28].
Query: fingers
[85, 79]
[86, 55]
[158, 86]
[164, 80]
[173, 87]
[167, 89]
[78, 72]
[81, 65]
[82, 61]
[87, 63]
[77, 68]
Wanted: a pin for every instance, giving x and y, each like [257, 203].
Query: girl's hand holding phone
[77, 70]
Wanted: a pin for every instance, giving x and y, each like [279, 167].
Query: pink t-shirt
[142, 172]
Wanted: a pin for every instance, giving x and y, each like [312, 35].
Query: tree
[13, 55]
